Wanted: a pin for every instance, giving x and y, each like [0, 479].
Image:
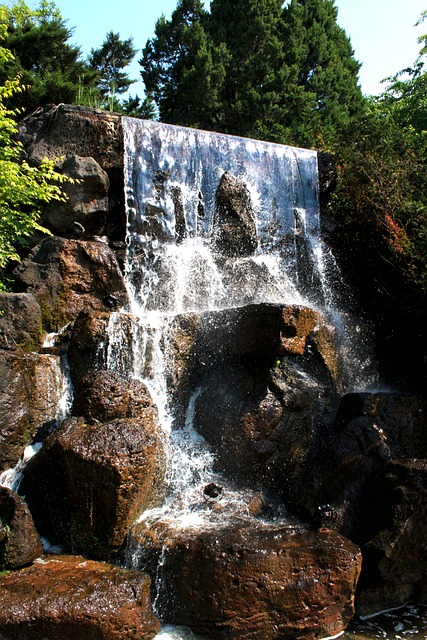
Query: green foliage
[23, 189]
[381, 203]
[139, 108]
[323, 91]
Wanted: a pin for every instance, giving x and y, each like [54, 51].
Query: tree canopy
[257, 68]
[108, 64]
[46, 62]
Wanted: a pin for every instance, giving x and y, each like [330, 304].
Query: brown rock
[74, 598]
[257, 581]
[89, 482]
[234, 223]
[20, 322]
[85, 211]
[30, 389]
[104, 396]
[21, 545]
[98, 338]
[67, 276]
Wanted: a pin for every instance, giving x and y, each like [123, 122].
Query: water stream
[172, 267]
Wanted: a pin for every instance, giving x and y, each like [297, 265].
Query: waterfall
[173, 267]
[172, 174]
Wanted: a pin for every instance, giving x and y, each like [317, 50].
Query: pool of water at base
[406, 623]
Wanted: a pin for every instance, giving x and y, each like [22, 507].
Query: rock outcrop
[91, 139]
[255, 581]
[72, 597]
[20, 322]
[84, 212]
[90, 481]
[20, 543]
[67, 276]
[234, 224]
[31, 386]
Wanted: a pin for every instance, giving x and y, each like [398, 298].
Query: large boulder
[67, 276]
[90, 481]
[73, 598]
[254, 581]
[101, 340]
[20, 545]
[235, 232]
[103, 396]
[20, 322]
[76, 134]
[369, 430]
[393, 538]
[31, 387]
[260, 426]
[84, 212]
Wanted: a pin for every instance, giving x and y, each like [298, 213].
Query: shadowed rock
[89, 482]
[76, 133]
[234, 224]
[20, 545]
[86, 206]
[71, 597]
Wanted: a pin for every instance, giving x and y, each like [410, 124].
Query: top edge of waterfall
[244, 139]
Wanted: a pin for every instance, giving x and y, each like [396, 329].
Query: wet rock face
[30, 389]
[237, 358]
[104, 396]
[67, 276]
[258, 582]
[20, 322]
[20, 545]
[234, 224]
[90, 481]
[71, 597]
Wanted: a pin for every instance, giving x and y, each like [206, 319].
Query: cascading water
[172, 267]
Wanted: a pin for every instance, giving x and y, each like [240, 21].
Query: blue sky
[382, 32]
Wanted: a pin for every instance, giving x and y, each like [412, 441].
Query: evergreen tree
[182, 69]
[323, 93]
[251, 91]
[47, 64]
[108, 64]
[254, 67]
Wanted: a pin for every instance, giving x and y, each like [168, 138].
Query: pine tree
[108, 64]
[250, 30]
[183, 70]
[323, 92]
[256, 68]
